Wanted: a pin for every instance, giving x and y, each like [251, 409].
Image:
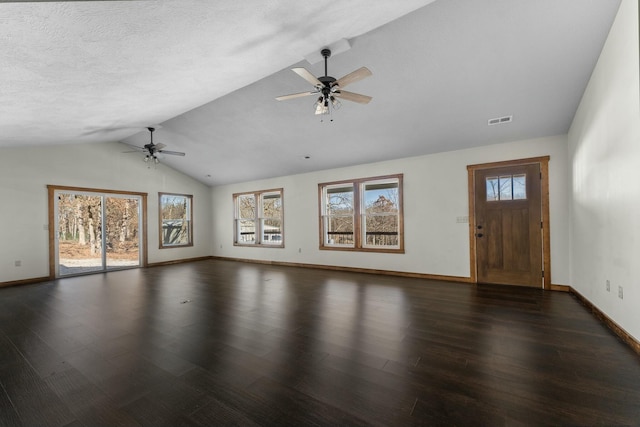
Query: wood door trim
[543, 161]
[51, 189]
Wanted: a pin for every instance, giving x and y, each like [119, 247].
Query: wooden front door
[508, 225]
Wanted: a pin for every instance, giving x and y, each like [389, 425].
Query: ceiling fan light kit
[329, 88]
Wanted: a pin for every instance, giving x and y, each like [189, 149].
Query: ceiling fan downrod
[326, 53]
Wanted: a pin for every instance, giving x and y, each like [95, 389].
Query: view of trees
[382, 219]
[246, 217]
[269, 222]
[380, 212]
[80, 225]
[340, 216]
[271, 218]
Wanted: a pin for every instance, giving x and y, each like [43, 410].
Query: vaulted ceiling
[207, 74]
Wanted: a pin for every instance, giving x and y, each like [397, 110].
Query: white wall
[26, 172]
[435, 194]
[604, 151]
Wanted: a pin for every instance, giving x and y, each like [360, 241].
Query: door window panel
[506, 187]
[122, 232]
[519, 187]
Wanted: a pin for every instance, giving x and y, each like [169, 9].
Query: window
[176, 220]
[508, 187]
[259, 218]
[362, 214]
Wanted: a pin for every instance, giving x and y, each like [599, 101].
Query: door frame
[52, 220]
[546, 231]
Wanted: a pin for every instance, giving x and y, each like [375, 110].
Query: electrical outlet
[18, 263]
[299, 250]
[608, 286]
[620, 294]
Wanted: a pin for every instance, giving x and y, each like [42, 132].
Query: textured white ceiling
[208, 72]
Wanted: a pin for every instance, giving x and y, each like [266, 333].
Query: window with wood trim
[259, 218]
[176, 220]
[362, 214]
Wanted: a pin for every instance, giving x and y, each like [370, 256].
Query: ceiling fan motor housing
[328, 82]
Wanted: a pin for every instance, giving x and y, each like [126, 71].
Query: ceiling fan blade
[173, 153]
[305, 74]
[159, 146]
[354, 76]
[135, 148]
[354, 97]
[295, 95]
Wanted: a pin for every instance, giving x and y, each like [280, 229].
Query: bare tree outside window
[362, 214]
[175, 220]
[246, 220]
[339, 216]
[94, 230]
[381, 223]
[259, 218]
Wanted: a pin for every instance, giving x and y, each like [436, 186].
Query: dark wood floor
[227, 343]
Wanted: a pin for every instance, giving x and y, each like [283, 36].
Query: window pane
[272, 231]
[519, 187]
[339, 230]
[339, 215]
[505, 188]
[381, 230]
[340, 201]
[380, 222]
[492, 189]
[272, 205]
[175, 217]
[246, 231]
[379, 198]
[247, 206]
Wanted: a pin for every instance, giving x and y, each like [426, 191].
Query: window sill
[374, 250]
[254, 245]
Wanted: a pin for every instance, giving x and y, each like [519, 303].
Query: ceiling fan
[152, 150]
[329, 88]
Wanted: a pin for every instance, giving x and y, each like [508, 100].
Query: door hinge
[541, 224]
[542, 273]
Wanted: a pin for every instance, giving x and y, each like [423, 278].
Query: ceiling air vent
[500, 120]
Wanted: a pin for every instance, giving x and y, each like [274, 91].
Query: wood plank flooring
[226, 343]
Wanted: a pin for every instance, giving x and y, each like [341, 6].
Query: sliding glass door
[96, 232]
